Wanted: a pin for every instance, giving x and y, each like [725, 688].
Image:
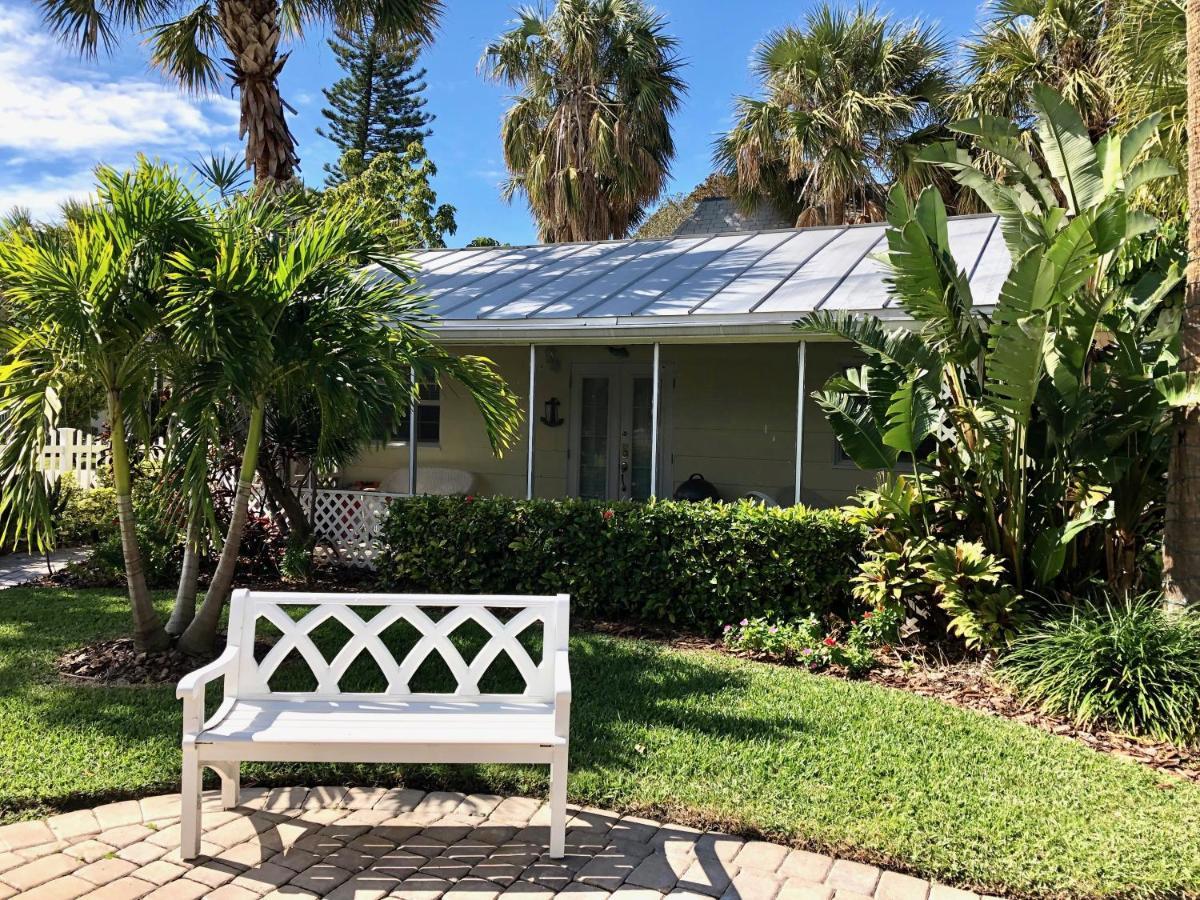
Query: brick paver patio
[369, 843]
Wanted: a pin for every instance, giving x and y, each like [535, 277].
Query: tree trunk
[148, 633]
[283, 497]
[250, 29]
[1181, 533]
[185, 597]
[201, 636]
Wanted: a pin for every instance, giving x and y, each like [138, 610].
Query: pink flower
[608, 514]
[773, 630]
[868, 615]
[807, 651]
[744, 622]
[728, 628]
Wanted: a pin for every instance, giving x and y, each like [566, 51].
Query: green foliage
[162, 553]
[398, 185]
[850, 96]
[691, 565]
[89, 516]
[806, 642]
[967, 581]
[1120, 663]
[378, 105]
[588, 137]
[1025, 43]
[1038, 430]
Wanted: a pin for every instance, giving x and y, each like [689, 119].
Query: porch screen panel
[593, 439]
[641, 439]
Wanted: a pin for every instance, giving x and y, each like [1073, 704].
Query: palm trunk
[201, 635]
[189, 576]
[250, 29]
[148, 633]
[285, 498]
[1181, 533]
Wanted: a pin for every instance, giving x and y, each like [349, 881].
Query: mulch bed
[949, 674]
[119, 662]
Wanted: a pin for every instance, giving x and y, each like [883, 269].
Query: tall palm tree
[1181, 534]
[90, 300]
[849, 97]
[588, 137]
[278, 312]
[187, 38]
[1026, 43]
[1147, 47]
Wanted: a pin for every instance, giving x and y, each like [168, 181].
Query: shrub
[806, 642]
[89, 516]
[1123, 664]
[690, 565]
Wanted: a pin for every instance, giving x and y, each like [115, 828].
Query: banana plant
[1017, 414]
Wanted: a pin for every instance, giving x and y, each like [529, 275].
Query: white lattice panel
[349, 522]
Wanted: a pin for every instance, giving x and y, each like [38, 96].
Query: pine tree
[377, 106]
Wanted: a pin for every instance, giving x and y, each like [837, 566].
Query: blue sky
[60, 115]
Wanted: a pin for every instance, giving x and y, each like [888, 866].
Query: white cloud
[51, 106]
[42, 196]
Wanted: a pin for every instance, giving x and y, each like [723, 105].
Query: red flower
[868, 615]
[608, 514]
[469, 498]
[830, 642]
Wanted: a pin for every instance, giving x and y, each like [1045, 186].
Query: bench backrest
[435, 617]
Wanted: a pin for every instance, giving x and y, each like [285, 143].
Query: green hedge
[691, 565]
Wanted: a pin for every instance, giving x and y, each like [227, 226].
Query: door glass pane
[643, 400]
[593, 439]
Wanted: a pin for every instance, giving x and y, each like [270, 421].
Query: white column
[532, 420]
[801, 360]
[656, 392]
[412, 436]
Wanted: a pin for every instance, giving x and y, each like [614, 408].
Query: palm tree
[1181, 534]
[1026, 43]
[849, 97]
[1147, 47]
[280, 313]
[187, 38]
[91, 300]
[588, 138]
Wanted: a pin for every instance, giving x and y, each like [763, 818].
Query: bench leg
[558, 803]
[189, 822]
[231, 783]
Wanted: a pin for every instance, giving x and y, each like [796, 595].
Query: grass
[691, 736]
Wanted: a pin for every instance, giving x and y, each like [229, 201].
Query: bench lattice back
[435, 618]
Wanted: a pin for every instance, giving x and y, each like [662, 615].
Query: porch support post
[656, 393]
[413, 408]
[532, 420]
[801, 361]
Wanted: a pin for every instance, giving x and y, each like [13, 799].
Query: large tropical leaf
[1003, 138]
[1070, 156]
[912, 415]
[1017, 338]
[857, 429]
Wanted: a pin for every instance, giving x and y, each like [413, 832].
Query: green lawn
[690, 736]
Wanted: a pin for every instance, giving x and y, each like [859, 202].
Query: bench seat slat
[384, 722]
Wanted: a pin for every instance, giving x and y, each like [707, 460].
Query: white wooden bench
[256, 724]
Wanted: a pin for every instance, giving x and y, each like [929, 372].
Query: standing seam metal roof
[759, 276]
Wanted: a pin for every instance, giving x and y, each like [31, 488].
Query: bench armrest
[191, 686]
[562, 694]
[191, 690]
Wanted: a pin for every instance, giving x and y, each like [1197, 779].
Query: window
[429, 418]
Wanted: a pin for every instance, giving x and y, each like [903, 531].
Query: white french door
[611, 440]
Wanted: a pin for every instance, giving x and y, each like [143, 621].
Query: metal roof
[750, 283]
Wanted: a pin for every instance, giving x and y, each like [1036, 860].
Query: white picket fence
[349, 522]
[77, 452]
